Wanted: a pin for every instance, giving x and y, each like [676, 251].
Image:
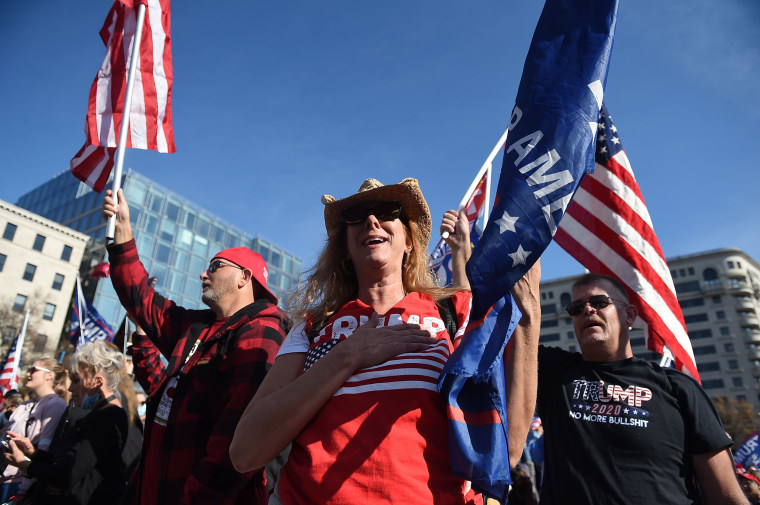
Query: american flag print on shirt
[419, 370]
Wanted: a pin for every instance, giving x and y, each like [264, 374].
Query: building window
[673, 274]
[705, 349]
[694, 302]
[549, 337]
[687, 287]
[549, 308]
[58, 282]
[725, 331]
[682, 272]
[695, 318]
[10, 231]
[49, 312]
[66, 254]
[697, 334]
[737, 382]
[544, 324]
[716, 299]
[19, 303]
[638, 341]
[570, 335]
[713, 366]
[565, 299]
[713, 384]
[710, 274]
[39, 241]
[691, 270]
[729, 347]
[720, 315]
[29, 272]
[733, 364]
[9, 333]
[39, 343]
[730, 264]
[2, 261]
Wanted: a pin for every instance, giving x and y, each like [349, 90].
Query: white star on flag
[520, 256]
[506, 222]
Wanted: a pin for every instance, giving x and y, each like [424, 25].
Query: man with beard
[620, 429]
[217, 359]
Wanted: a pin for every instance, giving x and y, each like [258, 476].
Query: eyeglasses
[217, 264]
[383, 211]
[33, 369]
[575, 308]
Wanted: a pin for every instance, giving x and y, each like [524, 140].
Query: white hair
[101, 359]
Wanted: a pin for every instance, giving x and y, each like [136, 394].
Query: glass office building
[175, 238]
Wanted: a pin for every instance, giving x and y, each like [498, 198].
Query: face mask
[141, 410]
[89, 401]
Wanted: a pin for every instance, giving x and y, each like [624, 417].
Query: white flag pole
[483, 169]
[134, 59]
[19, 347]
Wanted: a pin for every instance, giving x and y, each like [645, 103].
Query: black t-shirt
[621, 432]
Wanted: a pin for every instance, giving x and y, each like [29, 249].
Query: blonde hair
[332, 281]
[60, 376]
[100, 359]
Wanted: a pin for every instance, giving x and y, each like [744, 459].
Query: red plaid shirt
[214, 387]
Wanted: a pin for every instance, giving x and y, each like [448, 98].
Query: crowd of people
[337, 402]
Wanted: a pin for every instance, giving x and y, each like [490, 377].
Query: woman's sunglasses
[575, 308]
[33, 369]
[383, 211]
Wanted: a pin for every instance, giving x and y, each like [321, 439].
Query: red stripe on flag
[484, 418]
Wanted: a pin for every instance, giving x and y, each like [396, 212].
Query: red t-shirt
[383, 436]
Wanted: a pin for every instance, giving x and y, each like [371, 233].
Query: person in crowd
[11, 399]
[354, 387]
[217, 359]
[83, 464]
[35, 419]
[750, 484]
[646, 434]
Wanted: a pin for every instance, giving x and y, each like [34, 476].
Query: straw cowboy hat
[407, 193]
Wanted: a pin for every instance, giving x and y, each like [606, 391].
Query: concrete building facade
[719, 293]
[39, 262]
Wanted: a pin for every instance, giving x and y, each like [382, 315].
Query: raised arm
[458, 227]
[521, 362]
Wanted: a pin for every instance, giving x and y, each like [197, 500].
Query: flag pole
[133, 60]
[483, 169]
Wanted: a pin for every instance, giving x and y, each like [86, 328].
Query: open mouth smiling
[374, 241]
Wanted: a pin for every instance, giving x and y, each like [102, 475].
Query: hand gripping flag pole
[133, 63]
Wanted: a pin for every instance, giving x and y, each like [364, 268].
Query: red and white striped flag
[150, 115]
[9, 374]
[607, 228]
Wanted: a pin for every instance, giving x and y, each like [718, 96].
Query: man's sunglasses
[575, 308]
[217, 264]
[33, 369]
[383, 211]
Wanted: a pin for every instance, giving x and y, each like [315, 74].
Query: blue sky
[277, 103]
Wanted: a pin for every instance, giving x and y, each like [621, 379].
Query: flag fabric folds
[748, 454]
[87, 325]
[550, 147]
[150, 117]
[475, 208]
[608, 229]
[9, 374]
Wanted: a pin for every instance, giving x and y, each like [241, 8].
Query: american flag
[475, 207]
[150, 115]
[10, 370]
[607, 228]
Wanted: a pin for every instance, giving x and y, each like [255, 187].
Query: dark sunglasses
[575, 308]
[33, 369]
[383, 211]
[217, 264]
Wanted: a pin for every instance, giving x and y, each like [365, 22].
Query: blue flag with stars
[549, 148]
[550, 144]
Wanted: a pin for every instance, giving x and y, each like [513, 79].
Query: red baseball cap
[244, 257]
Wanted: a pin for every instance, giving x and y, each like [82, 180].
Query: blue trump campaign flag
[87, 325]
[748, 454]
[550, 146]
